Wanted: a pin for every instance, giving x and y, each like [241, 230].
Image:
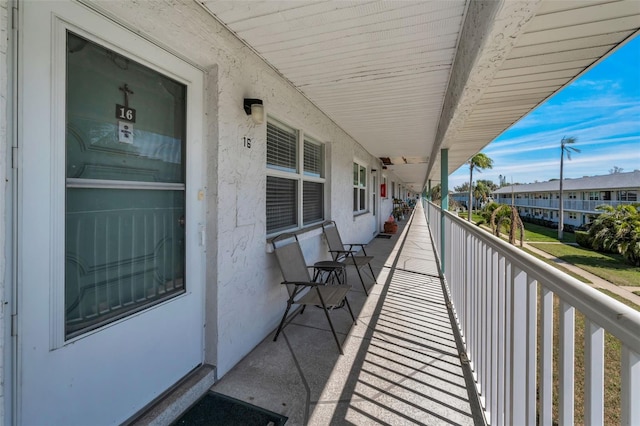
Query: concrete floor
[401, 362]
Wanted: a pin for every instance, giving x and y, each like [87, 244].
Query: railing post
[546, 377]
[532, 346]
[444, 191]
[518, 352]
[566, 362]
[492, 390]
[594, 373]
[429, 201]
[630, 392]
[500, 376]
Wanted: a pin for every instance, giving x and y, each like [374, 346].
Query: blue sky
[601, 110]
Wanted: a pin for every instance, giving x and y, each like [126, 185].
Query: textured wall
[244, 299]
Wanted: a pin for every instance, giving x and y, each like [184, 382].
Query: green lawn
[611, 267]
[559, 267]
[474, 217]
[537, 233]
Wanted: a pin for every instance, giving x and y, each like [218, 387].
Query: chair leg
[333, 330]
[350, 311]
[361, 280]
[370, 268]
[372, 274]
[284, 317]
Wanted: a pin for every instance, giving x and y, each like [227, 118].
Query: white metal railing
[497, 292]
[570, 204]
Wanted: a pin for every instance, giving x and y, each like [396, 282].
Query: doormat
[385, 236]
[214, 409]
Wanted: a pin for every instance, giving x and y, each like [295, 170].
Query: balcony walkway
[401, 363]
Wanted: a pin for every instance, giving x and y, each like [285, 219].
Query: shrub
[618, 230]
[583, 240]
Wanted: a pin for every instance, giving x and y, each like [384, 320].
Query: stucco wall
[245, 300]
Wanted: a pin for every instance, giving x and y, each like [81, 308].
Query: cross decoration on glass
[123, 112]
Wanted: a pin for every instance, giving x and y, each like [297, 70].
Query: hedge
[583, 240]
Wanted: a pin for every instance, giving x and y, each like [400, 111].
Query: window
[295, 178]
[125, 190]
[594, 196]
[572, 195]
[374, 195]
[573, 215]
[627, 196]
[359, 188]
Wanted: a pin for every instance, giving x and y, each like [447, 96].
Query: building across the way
[581, 196]
[462, 198]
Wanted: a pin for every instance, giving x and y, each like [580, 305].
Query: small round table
[329, 271]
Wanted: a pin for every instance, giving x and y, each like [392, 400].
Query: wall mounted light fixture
[255, 109]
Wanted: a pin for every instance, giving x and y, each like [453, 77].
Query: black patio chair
[345, 254]
[303, 289]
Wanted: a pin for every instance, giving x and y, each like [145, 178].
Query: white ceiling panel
[381, 69]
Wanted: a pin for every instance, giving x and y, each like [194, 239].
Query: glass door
[125, 187]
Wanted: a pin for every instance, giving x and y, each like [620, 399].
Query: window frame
[361, 187]
[300, 176]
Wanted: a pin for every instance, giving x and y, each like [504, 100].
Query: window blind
[282, 201]
[313, 159]
[312, 202]
[282, 152]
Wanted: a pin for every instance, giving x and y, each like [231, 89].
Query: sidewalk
[596, 281]
[401, 363]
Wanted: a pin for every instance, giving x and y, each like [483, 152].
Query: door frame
[86, 22]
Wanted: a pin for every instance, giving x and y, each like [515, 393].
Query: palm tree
[564, 147]
[436, 193]
[504, 214]
[479, 162]
[617, 230]
[481, 192]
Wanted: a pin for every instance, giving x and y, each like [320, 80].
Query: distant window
[359, 188]
[374, 195]
[627, 196]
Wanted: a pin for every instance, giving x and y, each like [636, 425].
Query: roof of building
[606, 182]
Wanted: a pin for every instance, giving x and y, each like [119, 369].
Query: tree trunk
[560, 200]
[470, 206]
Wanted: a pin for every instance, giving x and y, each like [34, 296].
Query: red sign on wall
[383, 190]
